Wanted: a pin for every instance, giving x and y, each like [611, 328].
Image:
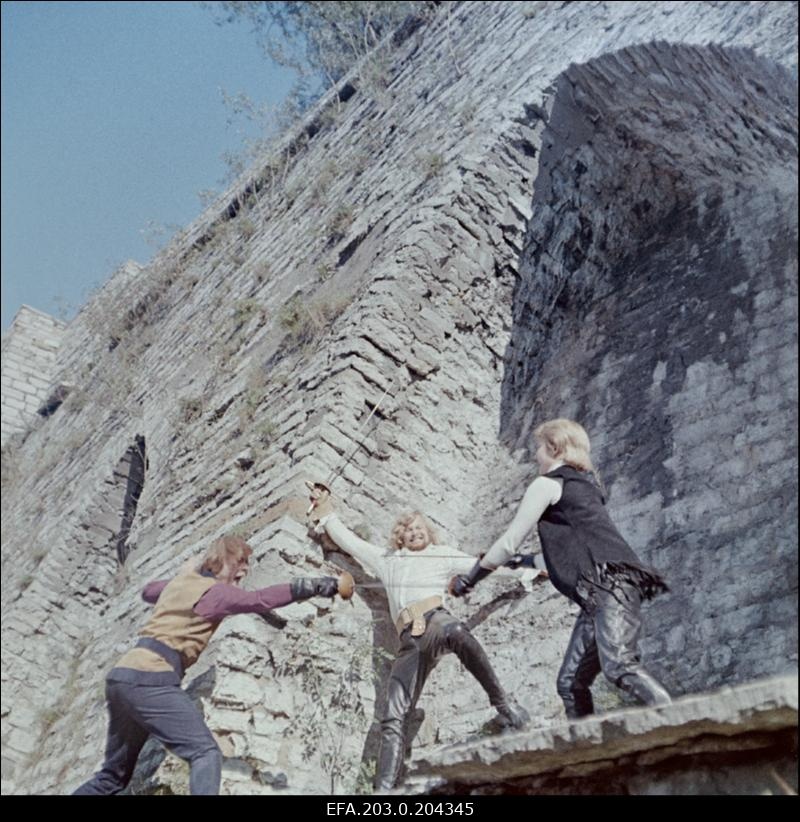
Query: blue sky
[112, 119]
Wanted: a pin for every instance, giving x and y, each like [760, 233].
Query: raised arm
[369, 556]
[324, 519]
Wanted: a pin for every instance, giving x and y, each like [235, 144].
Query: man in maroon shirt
[143, 689]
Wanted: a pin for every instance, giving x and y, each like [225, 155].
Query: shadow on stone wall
[656, 306]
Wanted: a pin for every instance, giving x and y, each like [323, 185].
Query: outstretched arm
[369, 556]
[223, 600]
[460, 562]
[543, 491]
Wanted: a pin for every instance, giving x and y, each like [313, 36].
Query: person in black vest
[587, 560]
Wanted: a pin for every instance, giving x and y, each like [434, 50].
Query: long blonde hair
[403, 522]
[567, 441]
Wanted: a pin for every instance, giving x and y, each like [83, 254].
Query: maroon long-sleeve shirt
[223, 600]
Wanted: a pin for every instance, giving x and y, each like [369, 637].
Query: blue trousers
[167, 713]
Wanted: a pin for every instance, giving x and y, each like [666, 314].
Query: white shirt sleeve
[369, 556]
[541, 493]
[460, 562]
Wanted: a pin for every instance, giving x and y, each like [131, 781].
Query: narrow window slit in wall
[54, 400]
[131, 469]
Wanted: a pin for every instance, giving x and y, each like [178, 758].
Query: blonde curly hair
[403, 522]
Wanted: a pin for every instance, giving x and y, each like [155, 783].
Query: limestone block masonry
[29, 353]
[740, 740]
[528, 210]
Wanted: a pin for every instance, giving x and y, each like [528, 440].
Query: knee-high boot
[474, 659]
[640, 684]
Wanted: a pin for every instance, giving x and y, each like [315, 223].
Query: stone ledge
[730, 720]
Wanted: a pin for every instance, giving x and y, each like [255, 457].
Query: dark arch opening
[132, 468]
[656, 305]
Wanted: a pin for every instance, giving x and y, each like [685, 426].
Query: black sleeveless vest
[581, 545]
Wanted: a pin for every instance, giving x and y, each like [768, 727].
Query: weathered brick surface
[29, 352]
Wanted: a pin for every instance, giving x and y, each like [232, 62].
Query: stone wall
[735, 741]
[657, 303]
[388, 251]
[29, 350]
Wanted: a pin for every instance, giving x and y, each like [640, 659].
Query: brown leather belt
[414, 615]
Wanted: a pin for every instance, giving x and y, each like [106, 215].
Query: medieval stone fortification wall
[29, 353]
[580, 209]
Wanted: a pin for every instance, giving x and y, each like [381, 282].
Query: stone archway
[656, 304]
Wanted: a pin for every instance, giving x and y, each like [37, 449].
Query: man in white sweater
[416, 572]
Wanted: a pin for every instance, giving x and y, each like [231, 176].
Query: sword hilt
[313, 487]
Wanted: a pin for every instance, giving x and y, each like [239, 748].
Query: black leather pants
[607, 640]
[415, 660]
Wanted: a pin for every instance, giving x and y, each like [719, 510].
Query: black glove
[520, 561]
[464, 583]
[307, 587]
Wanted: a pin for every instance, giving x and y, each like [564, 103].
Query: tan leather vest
[175, 623]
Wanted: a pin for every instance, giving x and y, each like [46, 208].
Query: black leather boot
[390, 758]
[578, 704]
[641, 685]
[474, 659]
[579, 669]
